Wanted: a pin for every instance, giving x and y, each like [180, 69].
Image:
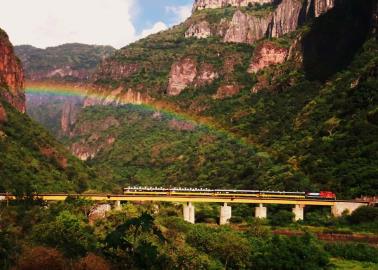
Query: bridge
[299, 204]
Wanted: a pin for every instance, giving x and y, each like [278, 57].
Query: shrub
[92, 262]
[364, 214]
[282, 218]
[42, 258]
[358, 252]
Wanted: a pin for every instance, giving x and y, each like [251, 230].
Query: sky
[45, 23]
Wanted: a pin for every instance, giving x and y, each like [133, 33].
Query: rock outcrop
[322, 6]
[182, 75]
[267, 54]
[70, 112]
[199, 30]
[226, 91]
[247, 27]
[51, 153]
[203, 4]
[118, 96]
[11, 74]
[206, 75]
[285, 18]
[98, 212]
[116, 70]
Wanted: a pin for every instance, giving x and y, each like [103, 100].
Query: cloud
[44, 23]
[48, 23]
[157, 27]
[181, 12]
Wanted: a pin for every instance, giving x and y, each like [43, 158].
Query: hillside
[308, 103]
[295, 80]
[68, 62]
[30, 158]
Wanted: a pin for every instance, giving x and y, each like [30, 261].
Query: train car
[323, 195]
[158, 191]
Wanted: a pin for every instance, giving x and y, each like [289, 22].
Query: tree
[364, 214]
[67, 233]
[290, 253]
[282, 218]
[92, 262]
[42, 258]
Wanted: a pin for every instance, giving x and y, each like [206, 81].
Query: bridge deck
[183, 199]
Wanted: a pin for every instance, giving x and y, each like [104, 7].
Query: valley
[262, 97]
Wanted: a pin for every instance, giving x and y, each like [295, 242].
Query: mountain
[68, 62]
[30, 158]
[295, 80]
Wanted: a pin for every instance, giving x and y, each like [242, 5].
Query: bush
[282, 218]
[92, 262]
[358, 252]
[42, 258]
[291, 253]
[364, 214]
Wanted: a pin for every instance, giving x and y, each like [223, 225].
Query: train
[161, 191]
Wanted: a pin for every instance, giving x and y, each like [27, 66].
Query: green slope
[32, 160]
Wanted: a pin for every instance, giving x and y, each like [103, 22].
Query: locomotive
[161, 191]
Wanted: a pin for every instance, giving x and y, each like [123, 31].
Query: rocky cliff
[11, 74]
[247, 25]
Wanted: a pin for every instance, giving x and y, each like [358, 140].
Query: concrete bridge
[338, 207]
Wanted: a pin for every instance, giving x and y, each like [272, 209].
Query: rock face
[51, 153]
[98, 212]
[206, 75]
[199, 30]
[91, 142]
[70, 111]
[182, 75]
[322, 6]
[286, 18]
[116, 70]
[118, 96]
[3, 115]
[11, 74]
[267, 54]
[226, 91]
[202, 4]
[247, 29]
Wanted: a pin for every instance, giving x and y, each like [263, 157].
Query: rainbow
[101, 95]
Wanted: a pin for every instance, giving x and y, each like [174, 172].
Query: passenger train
[160, 191]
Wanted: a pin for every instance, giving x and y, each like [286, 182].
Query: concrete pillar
[349, 207]
[225, 214]
[298, 212]
[117, 205]
[189, 213]
[260, 211]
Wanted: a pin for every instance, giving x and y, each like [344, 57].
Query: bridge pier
[298, 212]
[339, 207]
[260, 211]
[189, 213]
[225, 214]
[117, 205]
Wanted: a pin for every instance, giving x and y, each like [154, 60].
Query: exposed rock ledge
[267, 54]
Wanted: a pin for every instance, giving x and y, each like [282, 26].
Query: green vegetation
[154, 148]
[79, 57]
[32, 160]
[61, 237]
[133, 238]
